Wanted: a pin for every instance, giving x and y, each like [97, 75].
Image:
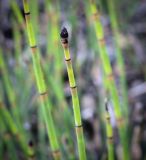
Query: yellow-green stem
[74, 93]
[42, 89]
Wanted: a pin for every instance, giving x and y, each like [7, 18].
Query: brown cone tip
[64, 33]
[30, 143]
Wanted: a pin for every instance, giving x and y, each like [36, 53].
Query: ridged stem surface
[42, 89]
[74, 94]
[109, 76]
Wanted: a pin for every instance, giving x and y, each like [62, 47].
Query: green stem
[74, 93]
[109, 133]
[109, 76]
[42, 89]
[120, 61]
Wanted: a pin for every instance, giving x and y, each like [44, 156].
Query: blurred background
[20, 114]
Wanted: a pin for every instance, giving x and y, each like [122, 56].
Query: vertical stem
[109, 133]
[12, 125]
[120, 61]
[18, 14]
[42, 89]
[10, 91]
[74, 93]
[109, 76]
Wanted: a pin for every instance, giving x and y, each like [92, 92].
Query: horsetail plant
[109, 76]
[74, 94]
[42, 89]
[120, 60]
[109, 132]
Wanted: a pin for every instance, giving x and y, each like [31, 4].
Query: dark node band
[79, 126]
[43, 93]
[32, 155]
[110, 76]
[110, 138]
[108, 118]
[120, 119]
[95, 14]
[27, 13]
[33, 46]
[73, 87]
[64, 40]
[101, 39]
[56, 151]
[68, 59]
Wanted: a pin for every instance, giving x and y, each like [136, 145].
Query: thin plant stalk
[17, 13]
[12, 125]
[41, 135]
[74, 93]
[10, 91]
[120, 61]
[109, 133]
[17, 50]
[42, 89]
[109, 77]
[34, 4]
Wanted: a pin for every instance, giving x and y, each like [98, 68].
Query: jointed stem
[42, 89]
[109, 76]
[109, 133]
[120, 61]
[75, 99]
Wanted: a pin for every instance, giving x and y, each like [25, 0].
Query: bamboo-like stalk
[109, 133]
[74, 93]
[42, 89]
[34, 4]
[120, 61]
[109, 76]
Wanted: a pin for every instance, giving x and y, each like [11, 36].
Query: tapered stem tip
[64, 33]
